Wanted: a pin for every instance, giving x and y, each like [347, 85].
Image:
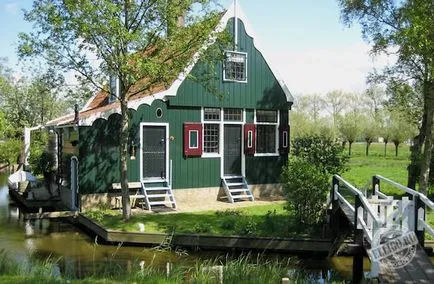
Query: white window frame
[189, 139]
[219, 123]
[224, 67]
[276, 131]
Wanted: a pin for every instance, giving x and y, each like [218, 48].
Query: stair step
[241, 196]
[235, 183]
[238, 190]
[232, 177]
[161, 202]
[158, 195]
[157, 188]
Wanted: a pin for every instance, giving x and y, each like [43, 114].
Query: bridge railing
[419, 203]
[369, 222]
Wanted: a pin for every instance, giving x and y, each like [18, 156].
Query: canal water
[78, 255]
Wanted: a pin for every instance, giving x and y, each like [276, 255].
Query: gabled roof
[98, 106]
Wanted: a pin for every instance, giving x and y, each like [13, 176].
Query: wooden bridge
[390, 231]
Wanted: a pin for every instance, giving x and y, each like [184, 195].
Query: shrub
[202, 228]
[305, 186]
[228, 212]
[246, 226]
[326, 154]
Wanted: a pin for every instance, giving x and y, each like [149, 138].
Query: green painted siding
[262, 90]
[98, 145]
[99, 154]
[263, 170]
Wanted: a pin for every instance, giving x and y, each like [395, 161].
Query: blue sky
[304, 39]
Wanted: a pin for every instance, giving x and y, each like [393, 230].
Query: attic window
[235, 67]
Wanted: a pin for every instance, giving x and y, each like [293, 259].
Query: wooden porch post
[358, 241]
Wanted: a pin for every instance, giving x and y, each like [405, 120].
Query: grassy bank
[264, 220]
[244, 269]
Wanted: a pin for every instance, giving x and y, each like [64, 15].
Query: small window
[211, 138]
[211, 114]
[266, 139]
[266, 116]
[159, 112]
[250, 139]
[233, 114]
[194, 139]
[235, 67]
[285, 139]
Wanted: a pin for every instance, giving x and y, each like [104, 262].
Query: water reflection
[77, 255]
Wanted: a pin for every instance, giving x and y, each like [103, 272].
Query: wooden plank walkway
[419, 270]
[50, 215]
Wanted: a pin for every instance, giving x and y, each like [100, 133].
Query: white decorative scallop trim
[172, 91]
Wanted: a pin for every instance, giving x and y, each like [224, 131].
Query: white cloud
[319, 70]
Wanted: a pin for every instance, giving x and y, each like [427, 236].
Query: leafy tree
[400, 130]
[369, 131]
[350, 128]
[131, 40]
[323, 152]
[376, 98]
[314, 160]
[404, 28]
[408, 101]
[302, 179]
[336, 101]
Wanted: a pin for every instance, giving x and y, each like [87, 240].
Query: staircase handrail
[408, 190]
[363, 199]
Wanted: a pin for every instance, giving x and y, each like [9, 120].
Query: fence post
[375, 184]
[419, 209]
[358, 240]
[334, 219]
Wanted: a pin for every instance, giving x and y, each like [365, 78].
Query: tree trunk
[349, 147]
[385, 148]
[428, 143]
[396, 148]
[123, 152]
[367, 148]
[416, 152]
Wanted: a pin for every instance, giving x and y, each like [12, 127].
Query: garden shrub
[306, 178]
[305, 187]
[327, 155]
[246, 226]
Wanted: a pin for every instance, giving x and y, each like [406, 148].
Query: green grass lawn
[269, 220]
[362, 167]
[264, 220]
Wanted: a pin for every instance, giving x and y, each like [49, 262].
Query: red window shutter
[192, 139]
[249, 139]
[284, 139]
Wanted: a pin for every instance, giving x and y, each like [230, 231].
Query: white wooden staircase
[157, 193]
[236, 188]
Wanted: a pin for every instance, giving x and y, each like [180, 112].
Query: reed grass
[246, 268]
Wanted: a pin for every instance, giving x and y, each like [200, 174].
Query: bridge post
[358, 241]
[419, 209]
[375, 184]
[334, 219]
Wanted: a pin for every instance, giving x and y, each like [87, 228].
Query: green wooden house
[186, 143]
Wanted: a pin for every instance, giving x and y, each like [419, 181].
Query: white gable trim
[173, 89]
